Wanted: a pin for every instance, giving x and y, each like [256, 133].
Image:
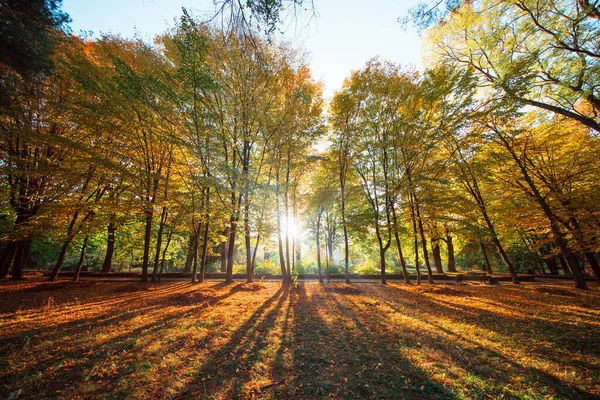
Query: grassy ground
[176, 340]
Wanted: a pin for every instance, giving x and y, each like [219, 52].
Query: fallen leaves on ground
[265, 340]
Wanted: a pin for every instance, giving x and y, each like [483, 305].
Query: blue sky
[344, 35]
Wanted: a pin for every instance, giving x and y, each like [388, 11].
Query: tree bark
[224, 251]
[147, 238]
[81, 258]
[204, 248]
[450, 244]
[110, 248]
[196, 245]
[164, 254]
[437, 257]
[414, 223]
[21, 259]
[423, 241]
[488, 266]
[161, 227]
[319, 214]
[189, 259]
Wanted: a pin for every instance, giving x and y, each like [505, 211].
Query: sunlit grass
[174, 340]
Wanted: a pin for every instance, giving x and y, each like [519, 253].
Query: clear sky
[344, 35]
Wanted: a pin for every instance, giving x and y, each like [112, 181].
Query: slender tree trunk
[147, 239]
[423, 242]
[437, 257]
[414, 223]
[319, 214]
[399, 247]
[110, 248]
[231, 251]
[254, 252]
[61, 259]
[81, 258]
[382, 251]
[164, 254]
[190, 254]
[196, 246]
[161, 227]
[247, 242]
[284, 275]
[450, 244]
[204, 248]
[224, 251]
[488, 266]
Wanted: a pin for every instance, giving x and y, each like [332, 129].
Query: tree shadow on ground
[483, 361]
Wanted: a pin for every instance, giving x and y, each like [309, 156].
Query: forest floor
[97, 339]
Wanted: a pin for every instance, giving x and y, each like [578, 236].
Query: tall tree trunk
[164, 254]
[488, 266]
[147, 238]
[382, 251]
[224, 251]
[81, 258]
[247, 242]
[204, 248]
[189, 259]
[61, 259]
[110, 247]
[414, 223]
[319, 214]
[254, 252]
[399, 247]
[450, 244]
[284, 275]
[161, 227]
[196, 246]
[437, 257]
[423, 241]
[231, 250]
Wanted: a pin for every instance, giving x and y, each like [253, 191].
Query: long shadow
[344, 357]
[33, 304]
[230, 366]
[486, 362]
[69, 341]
